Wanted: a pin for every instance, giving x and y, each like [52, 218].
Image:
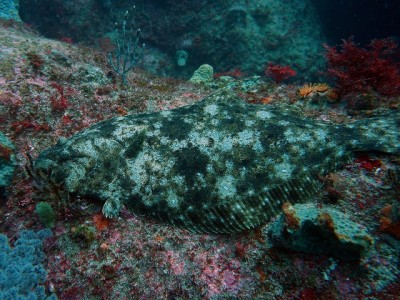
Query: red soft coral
[357, 69]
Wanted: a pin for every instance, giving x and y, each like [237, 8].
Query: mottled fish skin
[218, 166]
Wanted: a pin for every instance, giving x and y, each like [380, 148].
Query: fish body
[218, 166]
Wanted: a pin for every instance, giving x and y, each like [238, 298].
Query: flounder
[218, 166]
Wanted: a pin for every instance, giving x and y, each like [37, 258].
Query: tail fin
[377, 134]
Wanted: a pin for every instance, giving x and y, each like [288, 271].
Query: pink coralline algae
[175, 262]
[218, 275]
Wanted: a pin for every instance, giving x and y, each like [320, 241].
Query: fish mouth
[43, 171]
[67, 175]
[48, 178]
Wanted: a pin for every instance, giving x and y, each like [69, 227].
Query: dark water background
[363, 19]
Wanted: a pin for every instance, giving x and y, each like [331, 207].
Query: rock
[203, 74]
[7, 162]
[306, 228]
[9, 10]
[389, 221]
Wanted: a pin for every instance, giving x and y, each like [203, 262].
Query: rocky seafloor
[51, 89]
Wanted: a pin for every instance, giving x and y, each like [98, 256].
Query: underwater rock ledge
[306, 228]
